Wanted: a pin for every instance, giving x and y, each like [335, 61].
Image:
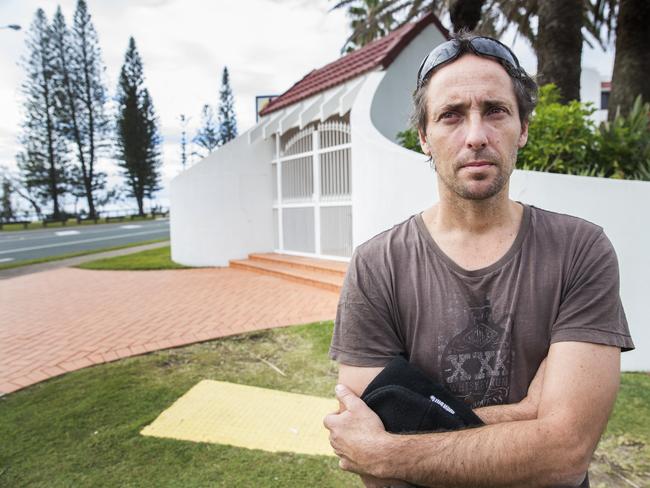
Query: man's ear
[523, 136]
[423, 142]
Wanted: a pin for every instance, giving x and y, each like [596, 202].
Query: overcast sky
[267, 45]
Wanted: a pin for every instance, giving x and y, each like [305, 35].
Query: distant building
[595, 88]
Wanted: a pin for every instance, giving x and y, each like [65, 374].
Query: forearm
[497, 414]
[523, 453]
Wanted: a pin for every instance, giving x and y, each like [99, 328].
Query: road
[30, 244]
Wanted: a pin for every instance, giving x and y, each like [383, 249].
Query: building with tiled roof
[288, 184]
[380, 53]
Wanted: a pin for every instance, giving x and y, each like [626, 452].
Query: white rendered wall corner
[221, 208]
[590, 92]
[392, 109]
[389, 182]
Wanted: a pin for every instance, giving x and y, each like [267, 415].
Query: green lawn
[159, 258]
[59, 257]
[82, 429]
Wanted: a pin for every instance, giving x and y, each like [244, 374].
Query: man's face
[473, 130]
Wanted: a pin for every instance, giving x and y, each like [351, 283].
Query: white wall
[390, 183]
[590, 90]
[221, 208]
[392, 114]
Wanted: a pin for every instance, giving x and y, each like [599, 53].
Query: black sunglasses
[481, 46]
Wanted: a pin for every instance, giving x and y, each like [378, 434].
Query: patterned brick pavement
[63, 320]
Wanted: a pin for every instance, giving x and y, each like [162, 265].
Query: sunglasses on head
[481, 46]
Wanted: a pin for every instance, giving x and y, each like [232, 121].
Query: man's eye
[497, 110]
[448, 115]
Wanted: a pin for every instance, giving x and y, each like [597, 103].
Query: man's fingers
[346, 397]
[330, 420]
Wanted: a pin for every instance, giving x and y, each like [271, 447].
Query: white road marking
[67, 233]
[45, 246]
[130, 226]
[6, 260]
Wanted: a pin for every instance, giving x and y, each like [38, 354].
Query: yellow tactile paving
[247, 416]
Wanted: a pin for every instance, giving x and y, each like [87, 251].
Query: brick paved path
[66, 319]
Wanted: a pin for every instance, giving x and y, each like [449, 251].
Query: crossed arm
[546, 440]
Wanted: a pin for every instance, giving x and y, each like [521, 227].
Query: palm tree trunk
[632, 59]
[559, 46]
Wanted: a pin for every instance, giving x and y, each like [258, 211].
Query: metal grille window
[274, 179]
[298, 229]
[336, 231]
[313, 172]
[276, 227]
[300, 143]
[334, 134]
[298, 179]
[335, 174]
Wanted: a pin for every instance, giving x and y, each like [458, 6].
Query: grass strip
[82, 429]
[152, 259]
[59, 257]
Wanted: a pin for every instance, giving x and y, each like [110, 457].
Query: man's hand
[355, 432]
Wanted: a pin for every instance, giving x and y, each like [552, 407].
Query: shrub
[409, 139]
[624, 144]
[561, 138]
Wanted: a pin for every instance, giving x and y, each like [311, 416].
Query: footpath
[63, 319]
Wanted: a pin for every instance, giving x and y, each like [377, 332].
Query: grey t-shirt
[482, 333]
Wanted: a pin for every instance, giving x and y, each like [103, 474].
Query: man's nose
[476, 132]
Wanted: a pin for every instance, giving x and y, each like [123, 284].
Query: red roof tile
[381, 52]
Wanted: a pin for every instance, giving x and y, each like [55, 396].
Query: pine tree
[138, 138]
[226, 119]
[208, 135]
[42, 161]
[84, 99]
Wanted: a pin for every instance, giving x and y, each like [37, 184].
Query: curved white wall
[394, 91]
[221, 208]
[390, 183]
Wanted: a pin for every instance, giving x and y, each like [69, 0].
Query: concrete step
[336, 268]
[302, 270]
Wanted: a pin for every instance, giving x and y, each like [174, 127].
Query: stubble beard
[467, 191]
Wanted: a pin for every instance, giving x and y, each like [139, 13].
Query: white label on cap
[436, 400]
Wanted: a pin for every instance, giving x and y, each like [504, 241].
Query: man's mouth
[477, 164]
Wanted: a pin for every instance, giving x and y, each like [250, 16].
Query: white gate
[312, 195]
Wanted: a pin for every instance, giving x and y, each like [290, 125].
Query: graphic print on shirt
[476, 362]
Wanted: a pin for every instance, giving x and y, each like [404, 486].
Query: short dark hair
[524, 86]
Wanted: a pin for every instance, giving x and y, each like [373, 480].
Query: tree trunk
[632, 59]
[559, 46]
[140, 200]
[465, 14]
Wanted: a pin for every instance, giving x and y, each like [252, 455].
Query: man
[514, 309]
